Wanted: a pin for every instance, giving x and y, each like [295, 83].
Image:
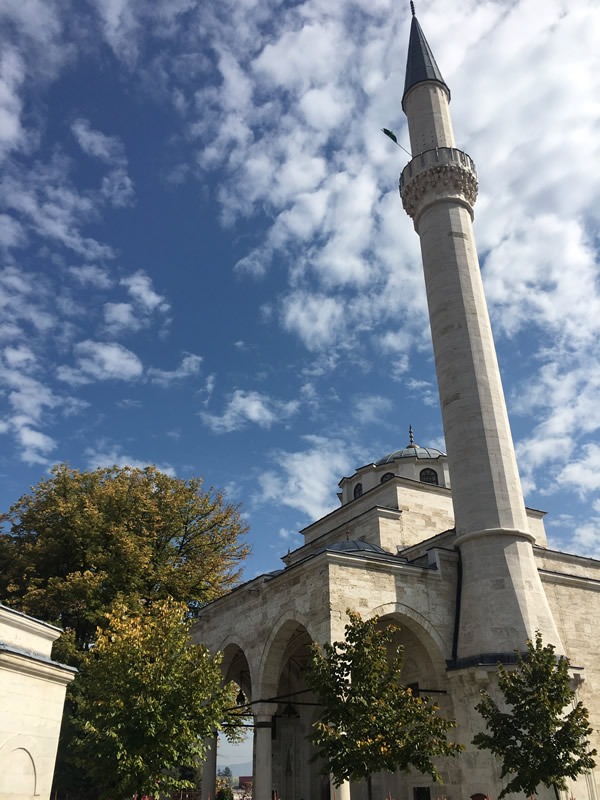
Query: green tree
[82, 544]
[225, 773]
[82, 540]
[223, 786]
[539, 735]
[370, 722]
[146, 701]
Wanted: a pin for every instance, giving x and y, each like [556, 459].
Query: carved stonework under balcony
[444, 173]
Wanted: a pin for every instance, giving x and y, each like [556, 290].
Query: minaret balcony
[443, 173]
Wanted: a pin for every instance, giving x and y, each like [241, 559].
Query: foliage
[538, 741]
[146, 700]
[81, 545]
[226, 775]
[370, 722]
[223, 789]
[82, 540]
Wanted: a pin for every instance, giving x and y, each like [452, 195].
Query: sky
[206, 265]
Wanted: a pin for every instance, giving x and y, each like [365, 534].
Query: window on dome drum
[429, 476]
[357, 490]
[387, 477]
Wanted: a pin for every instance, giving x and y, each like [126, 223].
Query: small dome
[412, 451]
[356, 546]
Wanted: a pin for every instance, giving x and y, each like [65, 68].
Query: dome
[412, 451]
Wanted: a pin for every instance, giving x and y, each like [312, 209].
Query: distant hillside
[238, 769]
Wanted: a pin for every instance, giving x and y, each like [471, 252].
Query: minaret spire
[420, 63]
[503, 601]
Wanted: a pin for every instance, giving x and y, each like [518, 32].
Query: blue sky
[206, 265]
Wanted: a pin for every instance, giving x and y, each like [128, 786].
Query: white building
[442, 545]
[32, 695]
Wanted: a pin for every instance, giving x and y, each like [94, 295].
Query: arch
[429, 475]
[274, 650]
[414, 620]
[282, 684]
[236, 667]
[387, 476]
[424, 671]
[358, 490]
[18, 771]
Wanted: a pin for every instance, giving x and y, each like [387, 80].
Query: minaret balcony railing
[439, 175]
[439, 156]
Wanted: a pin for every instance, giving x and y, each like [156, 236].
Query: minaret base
[502, 602]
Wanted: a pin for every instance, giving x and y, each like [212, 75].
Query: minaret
[503, 602]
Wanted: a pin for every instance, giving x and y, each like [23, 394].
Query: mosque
[442, 545]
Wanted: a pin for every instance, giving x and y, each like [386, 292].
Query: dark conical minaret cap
[420, 64]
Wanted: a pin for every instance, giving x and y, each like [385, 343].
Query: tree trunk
[369, 788]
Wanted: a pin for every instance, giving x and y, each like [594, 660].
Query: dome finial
[412, 8]
[411, 436]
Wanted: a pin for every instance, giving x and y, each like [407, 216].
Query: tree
[82, 540]
[226, 774]
[81, 545]
[370, 722]
[146, 701]
[538, 740]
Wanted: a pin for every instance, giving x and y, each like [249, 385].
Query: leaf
[370, 721]
[537, 740]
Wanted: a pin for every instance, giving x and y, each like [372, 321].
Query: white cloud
[11, 232]
[208, 389]
[250, 406]
[97, 144]
[371, 408]
[117, 186]
[318, 320]
[190, 366]
[45, 199]
[90, 275]
[19, 357]
[425, 390]
[583, 473]
[28, 396]
[132, 316]
[105, 454]
[36, 446]
[120, 317]
[101, 361]
[139, 286]
[12, 75]
[304, 479]
[120, 27]
[38, 28]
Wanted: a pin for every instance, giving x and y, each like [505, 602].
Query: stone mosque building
[443, 546]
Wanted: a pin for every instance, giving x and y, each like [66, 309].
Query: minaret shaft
[503, 601]
[486, 486]
[429, 123]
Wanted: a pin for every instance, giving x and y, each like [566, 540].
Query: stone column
[263, 767]
[209, 768]
[339, 792]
